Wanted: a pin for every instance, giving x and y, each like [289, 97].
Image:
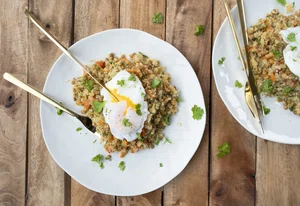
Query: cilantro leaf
[238, 84]
[223, 150]
[266, 110]
[293, 48]
[160, 165]
[221, 61]
[138, 109]
[287, 90]
[88, 84]
[155, 83]
[267, 86]
[197, 112]
[126, 122]
[199, 30]
[276, 53]
[98, 159]
[121, 82]
[179, 99]
[98, 106]
[291, 37]
[132, 78]
[122, 166]
[158, 18]
[282, 2]
[78, 129]
[167, 141]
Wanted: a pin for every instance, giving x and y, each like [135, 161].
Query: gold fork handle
[36, 93]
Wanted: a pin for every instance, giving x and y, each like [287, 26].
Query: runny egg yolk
[121, 98]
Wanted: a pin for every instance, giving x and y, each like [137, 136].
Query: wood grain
[93, 16]
[13, 103]
[191, 186]
[277, 174]
[45, 178]
[137, 14]
[232, 178]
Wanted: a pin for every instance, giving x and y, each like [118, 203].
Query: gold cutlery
[251, 94]
[87, 122]
[36, 22]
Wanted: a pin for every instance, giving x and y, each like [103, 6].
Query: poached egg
[127, 116]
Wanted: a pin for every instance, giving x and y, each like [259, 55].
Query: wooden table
[256, 172]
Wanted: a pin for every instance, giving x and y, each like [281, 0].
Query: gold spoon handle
[34, 20]
[36, 93]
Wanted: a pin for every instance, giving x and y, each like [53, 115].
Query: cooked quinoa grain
[273, 77]
[162, 99]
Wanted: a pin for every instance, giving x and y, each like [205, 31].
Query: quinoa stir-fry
[162, 100]
[266, 45]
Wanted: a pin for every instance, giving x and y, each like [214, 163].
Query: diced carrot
[100, 64]
[268, 28]
[271, 61]
[86, 105]
[273, 77]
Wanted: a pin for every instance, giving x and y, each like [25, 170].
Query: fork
[87, 122]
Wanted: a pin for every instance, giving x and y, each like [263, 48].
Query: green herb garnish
[59, 111]
[282, 2]
[143, 94]
[78, 129]
[126, 122]
[266, 110]
[132, 77]
[223, 150]
[158, 18]
[160, 165]
[221, 61]
[291, 37]
[98, 106]
[287, 90]
[167, 141]
[199, 30]
[155, 83]
[98, 158]
[88, 84]
[157, 141]
[197, 112]
[121, 82]
[138, 109]
[122, 165]
[276, 53]
[238, 84]
[293, 48]
[139, 136]
[166, 120]
[267, 86]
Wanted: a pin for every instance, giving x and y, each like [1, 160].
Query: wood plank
[137, 14]
[277, 174]
[232, 178]
[45, 178]
[13, 107]
[191, 186]
[93, 16]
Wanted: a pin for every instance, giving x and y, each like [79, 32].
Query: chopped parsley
[167, 141]
[157, 141]
[221, 61]
[287, 90]
[98, 159]
[132, 78]
[166, 120]
[139, 137]
[88, 84]
[179, 99]
[158, 18]
[126, 122]
[239, 58]
[122, 166]
[197, 112]
[223, 150]
[293, 48]
[138, 109]
[266, 110]
[160, 165]
[267, 86]
[238, 84]
[155, 83]
[143, 94]
[98, 106]
[78, 129]
[276, 53]
[199, 30]
[291, 37]
[282, 2]
[59, 111]
[121, 82]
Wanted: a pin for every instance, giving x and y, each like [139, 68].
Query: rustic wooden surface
[257, 172]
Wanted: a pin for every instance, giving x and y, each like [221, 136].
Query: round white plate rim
[291, 141]
[200, 96]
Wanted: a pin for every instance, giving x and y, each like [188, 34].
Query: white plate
[73, 150]
[280, 125]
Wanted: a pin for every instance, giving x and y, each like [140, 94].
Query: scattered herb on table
[122, 165]
[238, 84]
[199, 30]
[221, 61]
[158, 18]
[98, 159]
[197, 112]
[223, 150]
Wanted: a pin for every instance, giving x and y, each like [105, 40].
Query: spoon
[87, 122]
